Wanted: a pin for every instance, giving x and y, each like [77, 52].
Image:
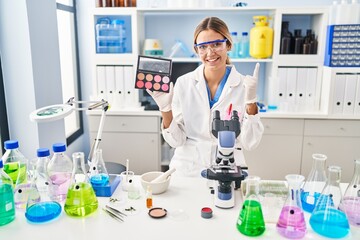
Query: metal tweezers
[114, 213]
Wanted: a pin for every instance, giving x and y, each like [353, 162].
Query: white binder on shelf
[131, 94]
[281, 93]
[310, 93]
[339, 90]
[291, 78]
[119, 87]
[357, 97]
[301, 88]
[101, 82]
[110, 84]
[350, 92]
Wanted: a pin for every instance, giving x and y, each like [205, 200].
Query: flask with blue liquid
[314, 183]
[326, 218]
[98, 173]
[7, 203]
[43, 209]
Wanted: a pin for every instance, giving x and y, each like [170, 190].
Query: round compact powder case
[157, 212]
[206, 212]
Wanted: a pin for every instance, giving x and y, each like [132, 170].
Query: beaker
[350, 203]
[251, 221]
[326, 219]
[43, 209]
[291, 223]
[81, 199]
[314, 183]
[98, 173]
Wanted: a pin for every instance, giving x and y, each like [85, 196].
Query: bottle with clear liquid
[15, 163]
[40, 208]
[350, 203]
[7, 203]
[81, 199]
[251, 221]
[98, 173]
[326, 219]
[314, 183]
[235, 46]
[59, 169]
[291, 223]
[244, 45]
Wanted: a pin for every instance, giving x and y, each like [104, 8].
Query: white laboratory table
[187, 195]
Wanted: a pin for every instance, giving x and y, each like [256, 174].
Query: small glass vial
[149, 200]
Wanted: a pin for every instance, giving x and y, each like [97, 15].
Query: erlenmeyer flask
[7, 204]
[81, 199]
[98, 173]
[44, 210]
[314, 183]
[291, 223]
[251, 221]
[350, 203]
[326, 219]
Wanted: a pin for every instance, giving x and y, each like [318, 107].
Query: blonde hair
[217, 25]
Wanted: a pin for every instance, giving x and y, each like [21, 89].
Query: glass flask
[45, 209]
[59, 170]
[251, 221]
[98, 173]
[7, 203]
[314, 183]
[350, 203]
[326, 219]
[291, 223]
[81, 199]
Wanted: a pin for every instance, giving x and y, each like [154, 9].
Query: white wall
[31, 70]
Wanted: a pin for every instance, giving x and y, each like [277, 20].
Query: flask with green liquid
[251, 221]
[7, 204]
[81, 199]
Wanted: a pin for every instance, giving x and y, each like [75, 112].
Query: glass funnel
[98, 173]
[81, 199]
[350, 203]
[314, 183]
[291, 223]
[326, 219]
[251, 221]
[43, 210]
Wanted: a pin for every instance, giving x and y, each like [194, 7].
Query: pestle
[163, 176]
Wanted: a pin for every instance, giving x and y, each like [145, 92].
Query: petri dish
[157, 212]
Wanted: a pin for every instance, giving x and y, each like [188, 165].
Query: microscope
[228, 176]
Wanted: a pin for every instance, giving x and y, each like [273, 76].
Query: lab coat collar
[234, 79]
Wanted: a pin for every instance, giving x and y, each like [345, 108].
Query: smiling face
[212, 58]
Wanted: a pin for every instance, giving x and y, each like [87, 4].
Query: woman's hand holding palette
[153, 73]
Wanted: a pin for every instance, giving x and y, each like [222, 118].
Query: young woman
[188, 108]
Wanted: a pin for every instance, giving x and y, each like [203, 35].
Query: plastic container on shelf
[261, 38]
[234, 53]
[110, 36]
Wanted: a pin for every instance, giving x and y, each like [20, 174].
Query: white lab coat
[190, 130]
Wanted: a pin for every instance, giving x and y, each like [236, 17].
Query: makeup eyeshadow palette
[153, 73]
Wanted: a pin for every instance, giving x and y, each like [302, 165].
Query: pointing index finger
[256, 70]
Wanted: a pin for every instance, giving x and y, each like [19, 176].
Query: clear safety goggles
[215, 46]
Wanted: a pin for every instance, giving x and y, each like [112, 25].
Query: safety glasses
[215, 46]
